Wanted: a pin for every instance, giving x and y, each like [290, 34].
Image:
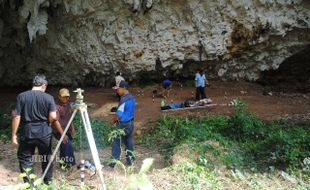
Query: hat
[64, 92]
[122, 84]
[39, 80]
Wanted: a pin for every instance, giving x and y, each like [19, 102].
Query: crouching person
[35, 111]
[64, 112]
[124, 119]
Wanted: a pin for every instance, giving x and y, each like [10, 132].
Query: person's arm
[119, 112]
[115, 119]
[55, 123]
[16, 119]
[72, 128]
[15, 124]
[196, 77]
[206, 81]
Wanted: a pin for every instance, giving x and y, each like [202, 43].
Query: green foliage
[189, 83]
[5, 123]
[147, 163]
[171, 132]
[195, 177]
[101, 131]
[37, 184]
[277, 143]
[63, 165]
[115, 133]
[247, 140]
[140, 180]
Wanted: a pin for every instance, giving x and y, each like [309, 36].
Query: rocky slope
[85, 42]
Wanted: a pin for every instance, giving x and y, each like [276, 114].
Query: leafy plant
[195, 177]
[101, 131]
[115, 133]
[37, 183]
[140, 180]
[5, 123]
[246, 140]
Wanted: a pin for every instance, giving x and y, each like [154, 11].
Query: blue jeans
[127, 139]
[66, 151]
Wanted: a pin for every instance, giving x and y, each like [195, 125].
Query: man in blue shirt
[124, 119]
[200, 82]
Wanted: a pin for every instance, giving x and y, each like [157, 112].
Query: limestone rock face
[85, 42]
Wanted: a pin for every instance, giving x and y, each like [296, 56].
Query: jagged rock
[85, 42]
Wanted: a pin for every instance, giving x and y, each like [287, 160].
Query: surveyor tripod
[82, 108]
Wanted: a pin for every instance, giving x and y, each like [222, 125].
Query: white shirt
[200, 80]
[118, 79]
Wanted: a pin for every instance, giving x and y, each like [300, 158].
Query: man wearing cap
[124, 119]
[64, 112]
[35, 111]
[118, 78]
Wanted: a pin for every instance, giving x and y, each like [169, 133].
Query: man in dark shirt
[64, 112]
[35, 111]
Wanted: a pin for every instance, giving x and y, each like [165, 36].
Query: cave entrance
[293, 75]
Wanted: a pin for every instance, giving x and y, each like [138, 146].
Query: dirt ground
[267, 105]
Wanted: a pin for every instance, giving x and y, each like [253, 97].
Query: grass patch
[244, 141]
[195, 177]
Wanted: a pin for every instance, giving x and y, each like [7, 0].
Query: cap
[64, 92]
[39, 80]
[122, 84]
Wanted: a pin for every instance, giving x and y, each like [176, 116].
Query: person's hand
[65, 140]
[73, 110]
[73, 131]
[112, 122]
[207, 83]
[14, 140]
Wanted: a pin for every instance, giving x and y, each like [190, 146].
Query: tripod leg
[92, 146]
[58, 144]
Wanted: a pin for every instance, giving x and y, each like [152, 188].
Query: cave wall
[293, 75]
[78, 42]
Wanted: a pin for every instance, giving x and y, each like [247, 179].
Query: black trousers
[26, 155]
[200, 93]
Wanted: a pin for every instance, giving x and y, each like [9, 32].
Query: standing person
[201, 81]
[118, 79]
[64, 112]
[124, 119]
[197, 85]
[35, 111]
[167, 87]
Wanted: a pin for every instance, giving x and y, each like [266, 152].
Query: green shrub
[5, 123]
[195, 177]
[249, 141]
[189, 83]
[101, 131]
